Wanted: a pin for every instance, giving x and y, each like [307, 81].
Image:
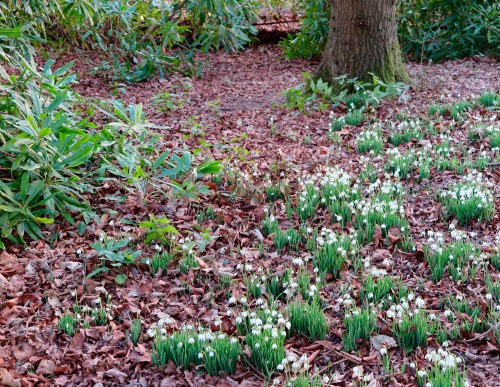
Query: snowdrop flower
[420, 302]
[357, 372]
[488, 296]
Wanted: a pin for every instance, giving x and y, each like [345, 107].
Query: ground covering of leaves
[235, 113]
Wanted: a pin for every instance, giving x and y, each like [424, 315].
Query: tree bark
[363, 39]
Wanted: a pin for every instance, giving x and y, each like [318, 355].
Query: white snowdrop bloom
[191, 340]
[151, 332]
[232, 300]
[412, 365]
[420, 302]
[410, 297]
[488, 296]
[421, 373]
[280, 367]
[357, 372]
[447, 312]
[383, 351]
[243, 300]
[234, 340]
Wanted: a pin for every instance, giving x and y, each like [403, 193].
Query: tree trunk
[363, 39]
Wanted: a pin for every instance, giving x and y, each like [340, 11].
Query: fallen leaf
[46, 367]
[72, 266]
[7, 380]
[114, 373]
[382, 341]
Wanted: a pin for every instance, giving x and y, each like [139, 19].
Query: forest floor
[235, 112]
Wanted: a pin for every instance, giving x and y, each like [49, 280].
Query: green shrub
[52, 158]
[137, 39]
[449, 29]
[311, 39]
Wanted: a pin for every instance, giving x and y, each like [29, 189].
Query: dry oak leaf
[7, 259]
[114, 373]
[46, 367]
[7, 380]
